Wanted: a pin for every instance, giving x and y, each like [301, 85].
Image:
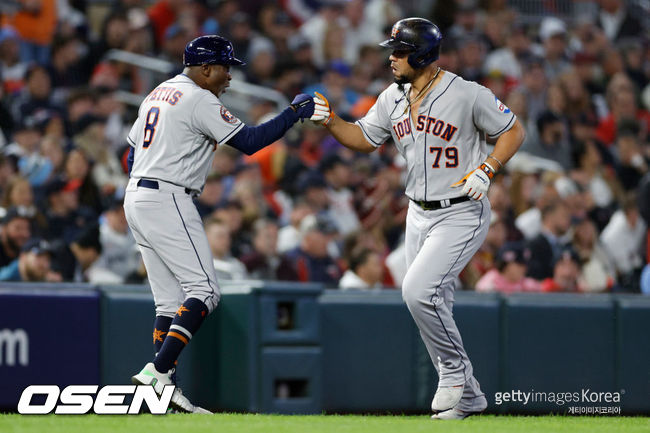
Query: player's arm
[507, 145]
[250, 139]
[348, 134]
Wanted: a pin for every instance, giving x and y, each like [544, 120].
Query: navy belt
[152, 184]
[440, 204]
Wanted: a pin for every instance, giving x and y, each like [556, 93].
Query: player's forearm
[250, 139]
[507, 145]
[349, 135]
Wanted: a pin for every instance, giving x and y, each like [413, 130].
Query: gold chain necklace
[420, 94]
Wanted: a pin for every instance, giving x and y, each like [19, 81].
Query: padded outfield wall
[293, 348]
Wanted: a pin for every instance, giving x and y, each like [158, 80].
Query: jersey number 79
[150, 122]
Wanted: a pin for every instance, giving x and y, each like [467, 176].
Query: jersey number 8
[150, 126]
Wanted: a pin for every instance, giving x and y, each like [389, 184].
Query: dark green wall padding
[291, 348]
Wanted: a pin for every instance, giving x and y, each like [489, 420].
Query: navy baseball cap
[37, 246]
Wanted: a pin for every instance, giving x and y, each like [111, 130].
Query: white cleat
[150, 376]
[446, 397]
[453, 414]
[198, 409]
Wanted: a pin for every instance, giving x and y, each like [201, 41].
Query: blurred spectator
[13, 69]
[590, 175]
[232, 214]
[76, 261]
[120, 257]
[33, 264]
[66, 68]
[509, 275]
[622, 103]
[617, 21]
[312, 260]
[533, 86]
[289, 235]
[471, 49]
[106, 171]
[114, 34]
[227, 266]
[36, 22]
[341, 206]
[77, 170]
[631, 162]
[162, 14]
[508, 59]
[335, 86]
[35, 94]
[485, 258]
[623, 239]
[66, 218]
[264, 262]
[553, 35]
[366, 271]
[597, 270]
[547, 246]
[52, 150]
[314, 191]
[566, 274]
[16, 231]
[207, 202]
[553, 143]
[24, 151]
[176, 37]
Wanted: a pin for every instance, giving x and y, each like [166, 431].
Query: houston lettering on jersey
[429, 124]
[165, 94]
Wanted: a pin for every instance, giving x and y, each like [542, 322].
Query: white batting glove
[476, 183]
[322, 112]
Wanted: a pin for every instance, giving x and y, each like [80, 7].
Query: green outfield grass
[238, 423]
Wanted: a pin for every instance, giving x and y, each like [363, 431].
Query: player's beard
[406, 77]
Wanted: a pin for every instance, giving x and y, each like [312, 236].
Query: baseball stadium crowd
[570, 211]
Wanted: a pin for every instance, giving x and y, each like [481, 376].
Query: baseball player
[179, 125]
[439, 123]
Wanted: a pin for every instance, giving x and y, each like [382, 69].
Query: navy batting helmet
[210, 50]
[419, 36]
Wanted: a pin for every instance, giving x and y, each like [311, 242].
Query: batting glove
[476, 183]
[322, 112]
[303, 105]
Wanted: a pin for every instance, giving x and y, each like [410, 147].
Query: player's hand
[303, 105]
[322, 112]
[476, 183]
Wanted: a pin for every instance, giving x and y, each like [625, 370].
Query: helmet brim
[233, 61]
[397, 44]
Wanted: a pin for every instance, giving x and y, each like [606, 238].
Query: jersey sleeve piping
[505, 128]
[130, 140]
[365, 134]
[233, 132]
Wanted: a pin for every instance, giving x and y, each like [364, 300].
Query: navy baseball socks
[178, 332]
[160, 329]
[187, 321]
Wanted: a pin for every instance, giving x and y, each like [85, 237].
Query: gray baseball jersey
[174, 136]
[178, 123]
[448, 139]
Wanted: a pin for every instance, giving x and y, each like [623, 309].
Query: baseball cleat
[198, 409]
[453, 414]
[446, 397]
[150, 376]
